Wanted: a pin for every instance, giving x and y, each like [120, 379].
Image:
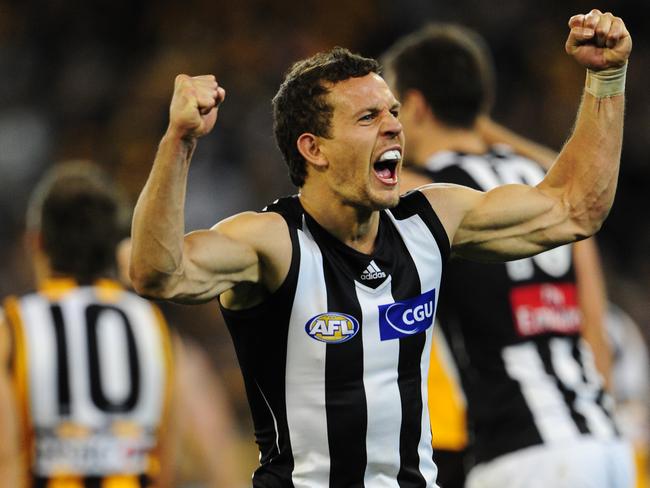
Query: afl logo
[332, 327]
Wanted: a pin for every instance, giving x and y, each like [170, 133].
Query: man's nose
[391, 126]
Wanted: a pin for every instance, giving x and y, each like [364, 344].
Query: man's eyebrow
[375, 109]
[372, 110]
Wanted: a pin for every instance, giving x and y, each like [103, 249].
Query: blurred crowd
[92, 80]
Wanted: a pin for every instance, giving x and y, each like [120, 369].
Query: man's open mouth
[386, 166]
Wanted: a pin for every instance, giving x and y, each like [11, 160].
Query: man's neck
[354, 226]
[442, 138]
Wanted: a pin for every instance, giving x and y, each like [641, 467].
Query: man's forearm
[158, 220]
[586, 170]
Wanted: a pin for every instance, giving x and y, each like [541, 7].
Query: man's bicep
[511, 222]
[214, 262]
[247, 248]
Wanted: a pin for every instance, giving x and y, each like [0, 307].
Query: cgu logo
[332, 327]
[407, 317]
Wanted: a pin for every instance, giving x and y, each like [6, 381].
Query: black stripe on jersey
[346, 426]
[93, 482]
[568, 395]
[63, 386]
[416, 203]
[405, 276]
[260, 356]
[601, 397]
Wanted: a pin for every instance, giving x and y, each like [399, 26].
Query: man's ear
[309, 147]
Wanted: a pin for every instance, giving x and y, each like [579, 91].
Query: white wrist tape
[606, 83]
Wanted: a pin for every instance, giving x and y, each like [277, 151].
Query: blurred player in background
[90, 361]
[87, 391]
[514, 329]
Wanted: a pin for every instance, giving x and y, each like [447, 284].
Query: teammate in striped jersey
[534, 400]
[335, 366]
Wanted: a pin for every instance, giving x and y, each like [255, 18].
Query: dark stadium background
[93, 80]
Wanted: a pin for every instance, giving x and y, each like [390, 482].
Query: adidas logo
[372, 272]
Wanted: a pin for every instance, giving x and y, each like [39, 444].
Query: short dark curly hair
[450, 65]
[81, 216]
[300, 105]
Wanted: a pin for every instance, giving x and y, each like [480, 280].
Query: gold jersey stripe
[641, 460]
[108, 290]
[121, 482]
[55, 288]
[20, 379]
[65, 482]
[116, 481]
[446, 409]
[155, 458]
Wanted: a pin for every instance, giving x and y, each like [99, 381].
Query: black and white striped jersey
[335, 362]
[515, 328]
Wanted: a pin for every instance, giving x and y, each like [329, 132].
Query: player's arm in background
[573, 200]
[198, 443]
[11, 453]
[209, 447]
[592, 290]
[592, 295]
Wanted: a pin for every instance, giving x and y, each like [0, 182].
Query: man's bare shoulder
[257, 229]
[447, 197]
[451, 202]
[268, 234]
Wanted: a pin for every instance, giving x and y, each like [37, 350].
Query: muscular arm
[590, 281]
[166, 263]
[515, 221]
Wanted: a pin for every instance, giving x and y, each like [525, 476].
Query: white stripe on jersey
[481, 172]
[569, 372]
[380, 383]
[305, 372]
[428, 261]
[550, 413]
[41, 357]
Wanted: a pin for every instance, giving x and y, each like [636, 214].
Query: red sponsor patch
[543, 308]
